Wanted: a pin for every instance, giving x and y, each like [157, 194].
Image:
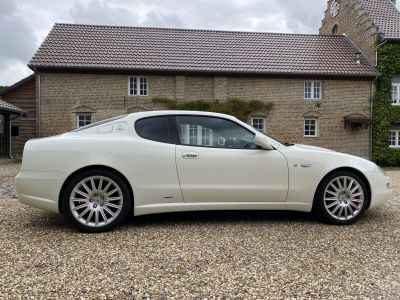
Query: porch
[8, 112]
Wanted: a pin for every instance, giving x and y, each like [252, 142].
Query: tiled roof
[7, 107]
[181, 50]
[385, 15]
[17, 84]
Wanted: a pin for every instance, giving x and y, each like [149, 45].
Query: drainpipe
[376, 51]
[373, 84]
[39, 104]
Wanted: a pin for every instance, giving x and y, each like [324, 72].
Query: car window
[99, 123]
[158, 129]
[214, 132]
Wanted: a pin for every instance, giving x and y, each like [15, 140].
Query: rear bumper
[40, 189]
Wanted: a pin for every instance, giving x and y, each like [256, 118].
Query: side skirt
[180, 207]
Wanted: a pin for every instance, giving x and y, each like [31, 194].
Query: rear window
[99, 123]
[159, 129]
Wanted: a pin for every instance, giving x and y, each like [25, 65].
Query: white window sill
[394, 147]
[311, 136]
[312, 100]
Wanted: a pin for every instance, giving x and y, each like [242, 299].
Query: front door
[218, 161]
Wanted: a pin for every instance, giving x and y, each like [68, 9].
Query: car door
[218, 161]
[154, 167]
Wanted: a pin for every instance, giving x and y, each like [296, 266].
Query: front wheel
[96, 200]
[341, 199]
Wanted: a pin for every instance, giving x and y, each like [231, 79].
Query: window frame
[264, 122]
[174, 132]
[312, 92]
[172, 129]
[211, 147]
[138, 89]
[84, 115]
[397, 138]
[316, 127]
[397, 101]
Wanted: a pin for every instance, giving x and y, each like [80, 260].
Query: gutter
[128, 70]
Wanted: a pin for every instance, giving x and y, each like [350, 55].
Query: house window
[335, 29]
[138, 86]
[14, 130]
[312, 90]
[395, 93]
[193, 134]
[310, 127]
[394, 138]
[84, 119]
[258, 123]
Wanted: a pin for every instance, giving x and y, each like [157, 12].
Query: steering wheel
[221, 141]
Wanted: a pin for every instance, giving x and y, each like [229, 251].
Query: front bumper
[380, 189]
[40, 189]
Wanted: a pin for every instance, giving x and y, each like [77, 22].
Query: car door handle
[190, 155]
[305, 165]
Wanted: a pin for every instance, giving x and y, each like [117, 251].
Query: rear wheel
[96, 200]
[342, 198]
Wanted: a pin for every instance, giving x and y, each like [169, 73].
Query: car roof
[138, 115]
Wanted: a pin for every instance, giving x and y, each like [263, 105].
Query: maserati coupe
[174, 161]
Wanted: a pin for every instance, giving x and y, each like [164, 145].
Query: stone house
[374, 27]
[321, 85]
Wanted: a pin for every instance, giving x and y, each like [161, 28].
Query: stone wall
[63, 95]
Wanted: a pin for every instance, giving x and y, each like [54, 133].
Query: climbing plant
[241, 109]
[384, 113]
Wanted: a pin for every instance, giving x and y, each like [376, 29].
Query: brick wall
[62, 95]
[353, 21]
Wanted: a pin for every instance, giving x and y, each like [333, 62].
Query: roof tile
[5, 106]
[160, 49]
[385, 15]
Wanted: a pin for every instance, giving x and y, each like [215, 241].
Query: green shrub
[241, 109]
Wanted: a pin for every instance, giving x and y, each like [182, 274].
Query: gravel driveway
[219, 255]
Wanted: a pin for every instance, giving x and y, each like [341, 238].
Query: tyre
[341, 198]
[96, 200]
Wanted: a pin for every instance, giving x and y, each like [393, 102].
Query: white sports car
[168, 161]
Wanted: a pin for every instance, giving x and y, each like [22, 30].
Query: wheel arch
[87, 168]
[348, 169]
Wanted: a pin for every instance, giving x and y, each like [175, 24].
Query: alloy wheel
[344, 198]
[96, 201]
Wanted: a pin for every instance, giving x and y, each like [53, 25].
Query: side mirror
[262, 141]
